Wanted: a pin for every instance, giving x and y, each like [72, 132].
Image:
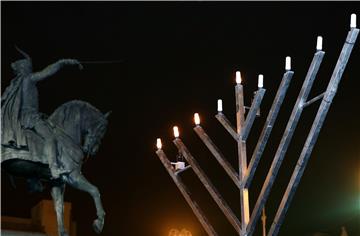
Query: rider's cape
[11, 130]
[25, 144]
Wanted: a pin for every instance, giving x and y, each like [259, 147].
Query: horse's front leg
[57, 193]
[77, 180]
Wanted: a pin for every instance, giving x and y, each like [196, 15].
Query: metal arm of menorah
[186, 193]
[243, 178]
[285, 140]
[315, 130]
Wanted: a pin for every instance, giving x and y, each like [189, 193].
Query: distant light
[176, 232]
[158, 143]
[176, 132]
[261, 81]
[319, 43]
[197, 119]
[238, 77]
[353, 21]
[219, 105]
[288, 63]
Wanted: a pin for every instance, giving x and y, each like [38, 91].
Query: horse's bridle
[94, 135]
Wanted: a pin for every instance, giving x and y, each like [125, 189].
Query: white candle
[238, 77]
[319, 43]
[158, 143]
[219, 105]
[288, 63]
[261, 81]
[176, 132]
[197, 119]
[353, 21]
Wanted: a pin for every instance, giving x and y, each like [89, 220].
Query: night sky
[177, 59]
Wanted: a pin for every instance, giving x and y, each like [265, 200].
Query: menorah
[245, 226]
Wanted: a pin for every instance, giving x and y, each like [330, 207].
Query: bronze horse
[79, 128]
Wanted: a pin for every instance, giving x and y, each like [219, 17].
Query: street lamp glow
[261, 81]
[219, 105]
[353, 21]
[319, 43]
[238, 77]
[158, 143]
[288, 63]
[176, 132]
[197, 119]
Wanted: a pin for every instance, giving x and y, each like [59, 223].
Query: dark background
[179, 58]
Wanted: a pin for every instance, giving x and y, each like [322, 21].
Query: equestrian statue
[49, 149]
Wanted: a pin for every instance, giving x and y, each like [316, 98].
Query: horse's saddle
[69, 154]
[32, 152]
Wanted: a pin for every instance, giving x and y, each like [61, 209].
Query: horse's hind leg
[78, 181]
[57, 193]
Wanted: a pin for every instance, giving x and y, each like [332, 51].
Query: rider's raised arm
[53, 68]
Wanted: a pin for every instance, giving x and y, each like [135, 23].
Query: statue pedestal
[42, 222]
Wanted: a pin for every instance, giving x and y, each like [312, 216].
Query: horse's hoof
[98, 225]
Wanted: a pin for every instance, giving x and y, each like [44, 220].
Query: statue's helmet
[23, 65]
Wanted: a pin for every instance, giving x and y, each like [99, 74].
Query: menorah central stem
[240, 121]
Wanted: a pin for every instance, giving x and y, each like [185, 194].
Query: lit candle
[238, 77]
[197, 119]
[319, 43]
[158, 143]
[288, 63]
[219, 105]
[353, 21]
[176, 131]
[261, 81]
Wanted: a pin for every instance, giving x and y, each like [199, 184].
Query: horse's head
[94, 133]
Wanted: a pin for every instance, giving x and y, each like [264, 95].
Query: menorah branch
[217, 154]
[208, 185]
[266, 131]
[250, 118]
[227, 125]
[314, 132]
[187, 195]
[285, 140]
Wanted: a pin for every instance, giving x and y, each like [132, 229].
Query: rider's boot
[55, 170]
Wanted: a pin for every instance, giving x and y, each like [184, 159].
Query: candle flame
[158, 143]
[176, 132]
[238, 77]
[197, 119]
